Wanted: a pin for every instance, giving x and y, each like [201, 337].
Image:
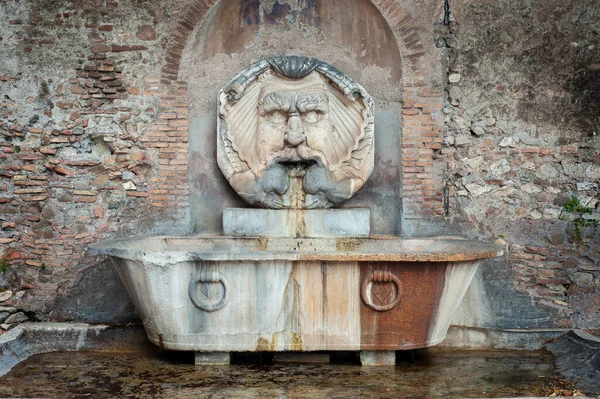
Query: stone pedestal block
[377, 358]
[240, 222]
[212, 358]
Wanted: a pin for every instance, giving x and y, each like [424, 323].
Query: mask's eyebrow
[312, 102]
[275, 101]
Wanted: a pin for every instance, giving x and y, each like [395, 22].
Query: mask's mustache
[309, 154]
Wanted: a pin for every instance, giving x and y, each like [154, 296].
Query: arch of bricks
[421, 129]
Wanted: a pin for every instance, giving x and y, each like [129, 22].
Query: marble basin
[223, 294]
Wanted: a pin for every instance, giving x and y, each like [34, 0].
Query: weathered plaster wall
[522, 138]
[497, 113]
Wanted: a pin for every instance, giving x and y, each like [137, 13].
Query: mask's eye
[276, 117]
[311, 116]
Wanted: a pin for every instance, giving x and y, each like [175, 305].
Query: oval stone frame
[295, 133]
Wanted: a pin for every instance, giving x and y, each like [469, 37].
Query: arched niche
[351, 35]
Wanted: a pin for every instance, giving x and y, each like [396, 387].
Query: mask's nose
[294, 134]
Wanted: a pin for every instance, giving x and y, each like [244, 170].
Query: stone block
[377, 358]
[581, 278]
[212, 358]
[5, 296]
[297, 223]
[16, 318]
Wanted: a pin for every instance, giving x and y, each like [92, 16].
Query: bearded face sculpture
[295, 133]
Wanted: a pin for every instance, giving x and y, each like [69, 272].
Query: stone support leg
[377, 358]
[211, 358]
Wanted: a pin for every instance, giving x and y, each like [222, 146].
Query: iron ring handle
[380, 276]
[213, 277]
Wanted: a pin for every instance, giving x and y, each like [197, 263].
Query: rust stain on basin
[347, 244]
[263, 345]
[406, 325]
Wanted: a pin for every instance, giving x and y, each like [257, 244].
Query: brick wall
[101, 143]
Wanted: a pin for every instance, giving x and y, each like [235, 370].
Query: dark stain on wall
[585, 88]
[278, 12]
[541, 55]
[250, 12]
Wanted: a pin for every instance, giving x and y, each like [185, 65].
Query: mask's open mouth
[302, 157]
[305, 163]
[297, 168]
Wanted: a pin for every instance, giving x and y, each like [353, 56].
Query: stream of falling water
[295, 194]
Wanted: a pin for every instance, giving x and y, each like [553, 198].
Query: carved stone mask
[295, 133]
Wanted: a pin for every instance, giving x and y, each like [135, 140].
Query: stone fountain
[296, 139]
